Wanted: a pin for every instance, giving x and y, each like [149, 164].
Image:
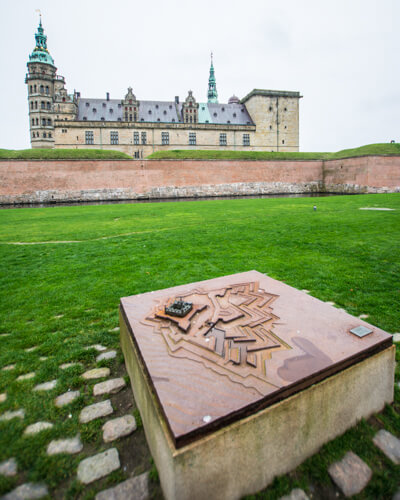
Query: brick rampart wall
[84, 180]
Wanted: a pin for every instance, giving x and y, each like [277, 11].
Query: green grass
[371, 149]
[82, 259]
[62, 154]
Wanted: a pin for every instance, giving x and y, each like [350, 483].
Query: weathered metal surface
[247, 342]
[361, 331]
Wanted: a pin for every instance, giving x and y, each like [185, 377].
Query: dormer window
[222, 109]
[102, 118]
[156, 106]
[94, 110]
[87, 104]
[104, 104]
[165, 112]
[234, 115]
[84, 118]
[158, 119]
[119, 105]
[111, 110]
[170, 106]
[215, 114]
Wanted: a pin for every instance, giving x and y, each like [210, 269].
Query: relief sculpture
[230, 330]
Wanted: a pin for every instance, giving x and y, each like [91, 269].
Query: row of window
[42, 89]
[43, 105]
[44, 135]
[114, 138]
[45, 122]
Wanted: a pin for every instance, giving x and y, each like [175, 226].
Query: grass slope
[62, 154]
[370, 149]
[63, 293]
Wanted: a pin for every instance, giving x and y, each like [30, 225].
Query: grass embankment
[370, 149]
[62, 295]
[62, 154]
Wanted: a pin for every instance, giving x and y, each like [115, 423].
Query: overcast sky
[342, 55]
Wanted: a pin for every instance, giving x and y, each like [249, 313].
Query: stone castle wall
[86, 180]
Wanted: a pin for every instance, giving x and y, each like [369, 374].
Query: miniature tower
[212, 93]
[40, 82]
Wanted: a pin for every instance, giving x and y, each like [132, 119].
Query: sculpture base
[244, 456]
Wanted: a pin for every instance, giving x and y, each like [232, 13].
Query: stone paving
[66, 398]
[118, 427]
[106, 355]
[46, 386]
[96, 373]
[8, 467]
[26, 376]
[136, 488]
[109, 386]
[27, 491]
[350, 474]
[69, 446]
[8, 415]
[3, 397]
[97, 466]
[95, 410]
[388, 444]
[38, 427]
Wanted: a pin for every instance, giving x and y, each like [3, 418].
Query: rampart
[39, 181]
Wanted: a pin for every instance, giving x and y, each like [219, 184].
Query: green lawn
[62, 154]
[61, 283]
[386, 149]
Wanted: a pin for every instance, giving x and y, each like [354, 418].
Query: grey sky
[342, 55]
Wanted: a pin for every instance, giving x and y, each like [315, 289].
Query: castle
[264, 120]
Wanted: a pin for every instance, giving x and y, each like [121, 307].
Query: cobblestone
[8, 415]
[46, 386]
[106, 355]
[38, 427]
[118, 427]
[136, 488]
[388, 444]
[97, 466]
[109, 386]
[27, 491]
[351, 474]
[69, 445]
[8, 467]
[66, 398]
[96, 410]
[96, 373]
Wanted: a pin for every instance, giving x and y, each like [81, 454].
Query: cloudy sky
[342, 55]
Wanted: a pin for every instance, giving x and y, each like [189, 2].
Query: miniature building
[264, 120]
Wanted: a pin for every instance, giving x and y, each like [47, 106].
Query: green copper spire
[212, 93]
[40, 52]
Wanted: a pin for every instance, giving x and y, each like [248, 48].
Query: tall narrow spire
[40, 52]
[212, 93]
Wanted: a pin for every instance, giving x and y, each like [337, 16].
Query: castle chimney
[108, 96]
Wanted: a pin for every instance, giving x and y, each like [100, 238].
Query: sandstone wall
[85, 180]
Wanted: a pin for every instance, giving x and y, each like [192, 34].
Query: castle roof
[162, 111]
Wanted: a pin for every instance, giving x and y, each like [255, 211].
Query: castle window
[41, 89]
[136, 155]
[170, 106]
[34, 88]
[48, 105]
[144, 138]
[149, 111]
[270, 108]
[104, 104]
[135, 137]
[48, 122]
[111, 110]
[134, 117]
[192, 139]
[190, 119]
[114, 137]
[89, 139]
[130, 118]
[246, 139]
[84, 118]
[215, 114]
[156, 106]
[285, 126]
[87, 104]
[30, 89]
[165, 112]
[102, 118]
[222, 139]
[36, 105]
[165, 138]
[37, 121]
[283, 141]
[43, 122]
[63, 99]
[43, 105]
[44, 135]
[50, 135]
[223, 109]
[285, 109]
[119, 105]
[126, 116]
[47, 89]
[33, 121]
[31, 104]
[94, 110]
[234, 115]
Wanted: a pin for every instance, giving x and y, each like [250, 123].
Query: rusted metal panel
[247, 342]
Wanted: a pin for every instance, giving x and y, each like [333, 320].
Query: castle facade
[264, 120]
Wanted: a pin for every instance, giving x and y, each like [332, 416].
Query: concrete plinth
[242, 455]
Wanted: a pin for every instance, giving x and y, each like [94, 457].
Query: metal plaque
[361, 331]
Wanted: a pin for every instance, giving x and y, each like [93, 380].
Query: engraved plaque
[247, 342]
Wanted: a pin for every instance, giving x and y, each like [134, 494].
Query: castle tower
[40, 82]
[212, 93]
